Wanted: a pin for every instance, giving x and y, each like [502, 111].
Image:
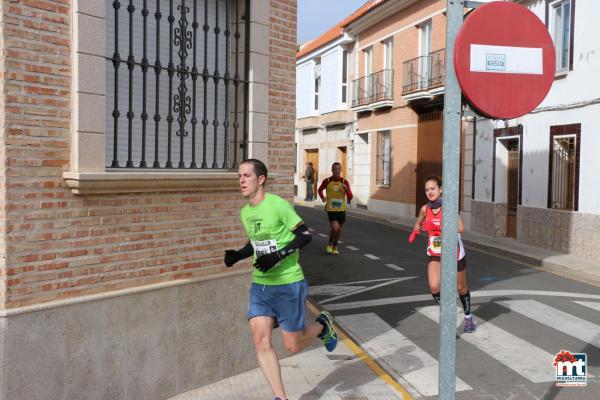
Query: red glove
[433, 230]
[413, 236]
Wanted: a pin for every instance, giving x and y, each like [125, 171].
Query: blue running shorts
[285, 303]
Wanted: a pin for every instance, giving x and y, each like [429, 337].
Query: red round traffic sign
[504, 60]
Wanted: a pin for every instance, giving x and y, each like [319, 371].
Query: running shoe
[470, 325]
[329, 249]
[335, 251]
[329, 337]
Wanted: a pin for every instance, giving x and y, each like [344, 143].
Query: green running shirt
[269, 226]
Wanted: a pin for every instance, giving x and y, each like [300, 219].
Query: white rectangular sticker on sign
[506, 59]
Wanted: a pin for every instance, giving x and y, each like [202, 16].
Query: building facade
[122, 125]
[535, 175]
[393, 59]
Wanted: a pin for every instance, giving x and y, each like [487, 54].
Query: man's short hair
[336, 163]
[259, 167]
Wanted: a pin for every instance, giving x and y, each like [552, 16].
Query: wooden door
[343, 157]
[429, 151]
[512, 197]
[312, 155]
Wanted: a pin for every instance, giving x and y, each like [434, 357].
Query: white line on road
[476, 294]
[371, 256]
[394, 266]
[590, 304]
[366, 289]
[556, 319]
[322, 235]
[517, 354]
[352, 248]
[404, 360]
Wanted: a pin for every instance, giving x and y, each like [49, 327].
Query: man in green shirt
[278, 292]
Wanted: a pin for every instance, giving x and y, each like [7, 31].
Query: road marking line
[590, 304]
[366, 358]
[517, 354]
[371, 256]
[352, 248]
[323, 235]
[556, 319]
[366, 289]
[477, 294]
[340, 242]
[394, 266]
[406, 361]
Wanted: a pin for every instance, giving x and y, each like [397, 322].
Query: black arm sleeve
[302, 237]
[246, 251]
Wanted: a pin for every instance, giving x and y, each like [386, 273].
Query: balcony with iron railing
[424, 76]
[374, 91]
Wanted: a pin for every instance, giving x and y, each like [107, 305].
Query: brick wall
[282, 95]
[59, 245]
[2, 167]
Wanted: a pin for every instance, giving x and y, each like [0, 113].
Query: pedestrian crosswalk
[413, 362]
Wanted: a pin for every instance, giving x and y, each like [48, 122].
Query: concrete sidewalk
[344, 374]
[567, 265]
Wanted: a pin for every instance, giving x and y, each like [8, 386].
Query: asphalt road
[377, 291]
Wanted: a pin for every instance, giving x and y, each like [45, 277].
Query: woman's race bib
[434, 246]
[336, 203]
[262, 247]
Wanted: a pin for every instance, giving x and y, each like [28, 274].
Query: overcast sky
[315, 17]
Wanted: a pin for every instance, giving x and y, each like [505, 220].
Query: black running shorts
[339, 216]
[460, 265]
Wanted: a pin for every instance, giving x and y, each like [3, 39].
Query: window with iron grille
[344, 76]
[317, 84]
[563, 185]
[176, 77]
[384, 158]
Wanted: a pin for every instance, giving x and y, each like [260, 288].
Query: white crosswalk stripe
[403, 359]
[590, 304]
[556, 319]
[517, 354]
[371, 256]
[352, 248]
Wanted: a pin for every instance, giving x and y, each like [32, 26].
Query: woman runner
[430, 219]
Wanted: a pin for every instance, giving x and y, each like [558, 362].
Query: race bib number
[434, 245]
[336, 203]
[262, 247]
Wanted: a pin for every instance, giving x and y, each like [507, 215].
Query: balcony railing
[373, 88]
[424, 73]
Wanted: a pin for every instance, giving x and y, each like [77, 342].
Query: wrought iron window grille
[217, 94]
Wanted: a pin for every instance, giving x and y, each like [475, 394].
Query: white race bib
[262, 247]
[336, 203]
[434, 245]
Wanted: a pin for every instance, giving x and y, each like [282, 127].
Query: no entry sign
[504, 60]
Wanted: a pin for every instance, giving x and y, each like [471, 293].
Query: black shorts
[339, 216]
[460, 265]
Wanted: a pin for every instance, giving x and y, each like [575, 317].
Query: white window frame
[557, 30]
[344, 68]
[384, 158]
[317, 85]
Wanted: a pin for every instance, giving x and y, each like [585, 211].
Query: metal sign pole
[451, 184]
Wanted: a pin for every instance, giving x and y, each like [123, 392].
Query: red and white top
[434, 242]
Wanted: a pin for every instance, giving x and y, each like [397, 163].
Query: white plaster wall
[484, 153]
[392, 208]
[362, 168]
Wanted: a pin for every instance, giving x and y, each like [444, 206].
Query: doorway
[312, 155]
[512, 187]
[343, 157]
[429, 151]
